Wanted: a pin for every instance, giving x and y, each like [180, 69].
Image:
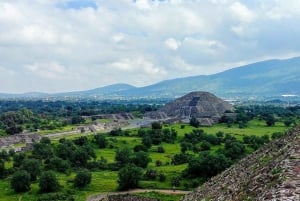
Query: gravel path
[104, 195]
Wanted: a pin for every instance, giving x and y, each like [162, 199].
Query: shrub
[20, 181]
[48, 182]
[129, 177]
[82, 179]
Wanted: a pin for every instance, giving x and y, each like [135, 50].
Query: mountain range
[269, 78]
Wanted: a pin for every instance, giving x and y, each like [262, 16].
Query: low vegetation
[177, 156]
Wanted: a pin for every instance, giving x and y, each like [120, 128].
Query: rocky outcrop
[270, 173]
[204, 106]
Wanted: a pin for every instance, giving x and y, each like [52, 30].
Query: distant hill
[266, 78]
[271, 78]
[110, 90]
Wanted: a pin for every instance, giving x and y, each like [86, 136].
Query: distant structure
[204, 106]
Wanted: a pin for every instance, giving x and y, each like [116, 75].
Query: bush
[151, 174]
[100, 140]
[194, 122]
[162, 177]
[160, 149]
[129, 177]
[175, 181]
[180, 159]
[20, 181]
[48, 182]
[158, 163]
[82, 179]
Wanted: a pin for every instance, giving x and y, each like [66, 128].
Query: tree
[58, 165]
[82, 179]
[270, 120]
[129, 177]
[205, 146]
[207, 165]
[33, 167]
[20, 181]
[45, 140]
[2, 169]
[194, 122]
[147, 141]
[156, 125]
[141, 159]
[288, 122]
[123, 157]
[42, 151]
[234, 150]
[100, 140]
[18, 159]
[65, 149]
[80, 157]
[48, 182]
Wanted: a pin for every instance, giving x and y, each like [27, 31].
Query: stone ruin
[10, 141]
[204, 106]
[271, 173]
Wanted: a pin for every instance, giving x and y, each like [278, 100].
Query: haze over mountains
[269, 78]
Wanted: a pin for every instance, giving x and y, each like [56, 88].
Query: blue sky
[68, 45]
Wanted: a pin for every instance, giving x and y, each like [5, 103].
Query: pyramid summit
[202, 105]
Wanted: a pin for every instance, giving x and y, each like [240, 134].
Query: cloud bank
[67, 45]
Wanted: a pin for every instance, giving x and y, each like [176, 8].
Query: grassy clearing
[58, 130]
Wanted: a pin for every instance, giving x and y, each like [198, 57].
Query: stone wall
[19, 138]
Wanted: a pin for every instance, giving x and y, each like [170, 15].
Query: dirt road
[104, 195]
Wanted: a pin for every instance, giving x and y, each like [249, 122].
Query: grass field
[106, 181]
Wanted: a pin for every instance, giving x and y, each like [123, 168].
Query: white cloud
[47, 70]
[241, 12]
[139, 42]
[172, 44]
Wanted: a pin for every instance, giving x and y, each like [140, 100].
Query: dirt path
[104, 195]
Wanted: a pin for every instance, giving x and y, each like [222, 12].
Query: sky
[70, 45]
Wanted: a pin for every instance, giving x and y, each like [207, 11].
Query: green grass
[255, 127]
[106, 181]
[160, 196]
[59, 130]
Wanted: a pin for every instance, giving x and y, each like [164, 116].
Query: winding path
[104, 195]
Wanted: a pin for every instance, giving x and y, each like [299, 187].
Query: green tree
[129, 177]
[42, 151]
[194, 122]
[48, 182]
[82, 179]
[146, 141]
[58, 165]
[20, 181]
[141, 159]
[270, 120]
[207, 165]
[2, 169]
[123, 157]
[156, 125]
[65, 149]
[33, 167]
[80, 157]
[100, 140]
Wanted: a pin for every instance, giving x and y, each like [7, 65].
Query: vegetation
[161, 157]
